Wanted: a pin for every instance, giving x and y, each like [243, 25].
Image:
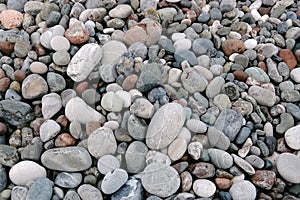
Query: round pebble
[204, 188]
[107, 163]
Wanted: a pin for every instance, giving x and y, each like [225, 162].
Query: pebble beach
[149, 99]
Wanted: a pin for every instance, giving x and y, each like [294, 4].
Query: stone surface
[11, 19]
[177, 149]
[135, 157]
[202, 170]
[69, 159]
[74, 108]
[264, 179]
[84, 61]
[111, 102]
[217, 138]
[49, 129]
[107, 163]
[8, 155]
[233, 46]
[113, 181]
[289, 172]
[263, 96]
[160, 179]
[165, 125]
[112, 51]
[101, 142]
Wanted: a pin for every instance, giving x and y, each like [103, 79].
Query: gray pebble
[135, 157]
[89, 192]
[41, 188]
[113, 181]
[68, 180]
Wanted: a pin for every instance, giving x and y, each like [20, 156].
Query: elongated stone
[165, 125]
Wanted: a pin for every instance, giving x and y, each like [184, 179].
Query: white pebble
[204, 188]
[250, 43]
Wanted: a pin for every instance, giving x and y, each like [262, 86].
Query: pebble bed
[149, 99]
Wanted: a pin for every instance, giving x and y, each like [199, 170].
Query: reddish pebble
[223, 183]
[11, 19]
[63, 121]
[129, 82]
[240, 75]
[186, 181]
[77, 33]
[81, 87]
[64, 140]
[3, 129]
[288, 57]
[4, 84]
[19, 75]
[2, 73]
[36, 124]
[264, 179]
[39, 49]
[6, 47]
[263, 66]
[264, 10]
[233, 46]
[91, 126]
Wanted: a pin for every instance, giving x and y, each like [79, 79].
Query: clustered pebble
[149, 99]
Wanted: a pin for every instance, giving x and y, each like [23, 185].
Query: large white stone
[84, 61]
[292, 137]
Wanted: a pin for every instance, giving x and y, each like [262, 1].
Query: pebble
[41, 188]
[73, 111]
[111, 102]
[78, 159]
[38, 68]
[150, 77]
[264, 179]
[160, 179]
[56, 82]
[165, 125]
[131, 189]
[258, 74]
[87, 191]
[8, 155]
[202, 170]
[80, 67]
[59, 43]
[288, 173]
[120, 11]
[196, 126]
[288, 57]
[243, 190]
[243, 164]
[77, 33]
[113, 181]
[118, 49]
[51, 104]
[68, 180]
[263, 96]
[11, 19]
[157, 157]
[233, 46]
[25, 172]
[101, 142]
[49, 129]
[202, 45]
[292, 137]
[19, 192]
[268, 50]
[177, 149]
[217, 138]
[250, 43]
[61, 58]
[107, 163]
[135, 157]
[34, 86]
[220, 158]
[195, 150]
[204, 188]
[137, 127]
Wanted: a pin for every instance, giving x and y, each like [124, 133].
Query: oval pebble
[113, 181]
[243, 190]
[292, 137]
[60, 43]
[25, 172]
[290, 172]
[68, 180]
[107, 163]
[204, 188]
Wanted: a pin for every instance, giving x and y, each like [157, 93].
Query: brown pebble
[129, 82]
[4, 84]
[36, 124]
[264, 10]
[64, 140]
[77, 33]
[202, 170]
[63, 121]
[2, 73]
[11, 19]
[39, 49]
[263, 66]
[91, 126]
[288, 57]
[240, 75]
[6, 47]
[233, 46]
[223, 183]
[3, 129]
[81, 87]
[264, 179]
[37, 109]
[181, 166]
[19, 75]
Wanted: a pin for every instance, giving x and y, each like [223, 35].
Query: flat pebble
[34, 86]
[69, 159]
[120, 11]
[107, 163]
[49, 129]
[38, 68]
[263, 96]
[292, 137]
[19, 192]
[220, 158]
[111, 102]
[217, 138]
[135, 157]
[196, 126]
[68, 180]
[41, 188]
[202, 170]
[25, 172]
[51, 104]
[204, 188]
[243, 164]
[113, 181]
[8, 155]
[60, 43]
[101, 142]
[169, 118]
[264, 179]
[177, 149]
[290, 172]
[11, 19]
[132, 188]
[243, 190]
[89, 192]
[167, 180]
